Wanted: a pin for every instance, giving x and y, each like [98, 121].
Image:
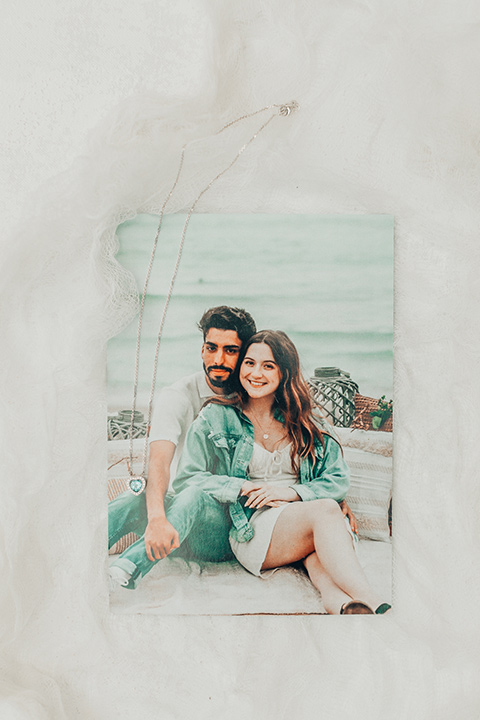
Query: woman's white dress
[275, 468]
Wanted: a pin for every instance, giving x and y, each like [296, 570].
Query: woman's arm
[203, 464]
[331, 476]
[331, 480]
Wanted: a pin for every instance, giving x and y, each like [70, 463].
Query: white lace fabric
[388, 123]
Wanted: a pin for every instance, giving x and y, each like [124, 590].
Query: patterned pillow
[118, 459]
[370, 492]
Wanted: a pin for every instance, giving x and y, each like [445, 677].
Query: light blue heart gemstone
[136, 485]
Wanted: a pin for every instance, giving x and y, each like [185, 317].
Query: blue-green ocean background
[327, 281]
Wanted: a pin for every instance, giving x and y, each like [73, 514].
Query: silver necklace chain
[138, 481]
[265, 434]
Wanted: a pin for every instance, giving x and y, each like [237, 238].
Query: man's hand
[348, 513]
[160, 539]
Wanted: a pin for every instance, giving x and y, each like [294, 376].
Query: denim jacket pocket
[221, 440]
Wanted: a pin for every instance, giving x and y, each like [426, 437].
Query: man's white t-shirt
[176, 407]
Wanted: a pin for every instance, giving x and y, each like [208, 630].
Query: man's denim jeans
[193, 513]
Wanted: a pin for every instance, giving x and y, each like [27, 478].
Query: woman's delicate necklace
[266, 435]
[138, 482]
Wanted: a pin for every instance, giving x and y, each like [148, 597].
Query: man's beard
[220, 384]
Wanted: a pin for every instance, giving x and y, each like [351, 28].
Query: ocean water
[327, 281]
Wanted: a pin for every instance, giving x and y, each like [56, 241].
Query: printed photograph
[250, 416]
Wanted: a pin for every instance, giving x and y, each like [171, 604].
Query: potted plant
[381, 413]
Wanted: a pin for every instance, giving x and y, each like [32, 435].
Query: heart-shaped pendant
[137, 484]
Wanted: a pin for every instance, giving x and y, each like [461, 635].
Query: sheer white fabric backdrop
[99, 99]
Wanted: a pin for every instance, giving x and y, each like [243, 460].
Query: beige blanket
[175, 587]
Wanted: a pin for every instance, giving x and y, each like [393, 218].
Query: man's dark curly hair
[223, 317]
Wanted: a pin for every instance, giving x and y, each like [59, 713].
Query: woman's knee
[325, 507]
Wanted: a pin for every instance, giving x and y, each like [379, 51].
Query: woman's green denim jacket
[218, 449]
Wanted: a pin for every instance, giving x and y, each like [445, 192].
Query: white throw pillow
[370, 492]
[374, 441]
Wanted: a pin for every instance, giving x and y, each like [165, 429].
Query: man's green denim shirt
[218, 449]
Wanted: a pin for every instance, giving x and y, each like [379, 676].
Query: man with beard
[163, 521]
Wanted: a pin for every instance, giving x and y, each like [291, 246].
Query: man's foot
[117, 578]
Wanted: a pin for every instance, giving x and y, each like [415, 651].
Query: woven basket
[116, 486]
[363, 420]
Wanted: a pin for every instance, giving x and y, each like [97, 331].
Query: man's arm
[160, 536]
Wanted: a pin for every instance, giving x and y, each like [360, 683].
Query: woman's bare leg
[319, 525]
[333, 597]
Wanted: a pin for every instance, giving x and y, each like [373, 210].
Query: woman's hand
[348, 513]
[263, 494]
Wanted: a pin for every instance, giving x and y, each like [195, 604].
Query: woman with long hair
[265, 454]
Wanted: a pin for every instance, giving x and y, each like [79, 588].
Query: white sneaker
[117, 578]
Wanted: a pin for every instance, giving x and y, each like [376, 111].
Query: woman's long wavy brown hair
[292, 396]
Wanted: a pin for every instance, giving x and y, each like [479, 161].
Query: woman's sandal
[354, 607]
